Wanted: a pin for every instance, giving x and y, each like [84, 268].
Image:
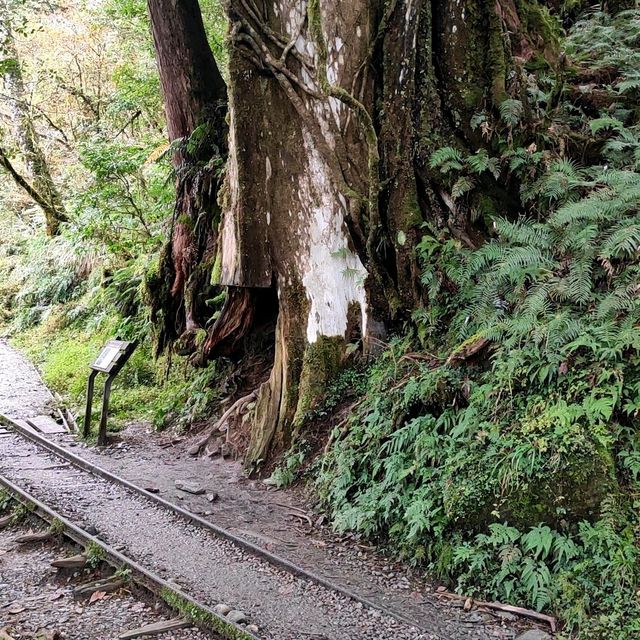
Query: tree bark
[335, 110]
[35, 163]
[195, 99]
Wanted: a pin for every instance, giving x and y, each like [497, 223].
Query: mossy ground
[63, 357]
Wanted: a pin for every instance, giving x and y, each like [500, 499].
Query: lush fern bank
[497, 443]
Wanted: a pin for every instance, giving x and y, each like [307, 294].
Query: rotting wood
[28, 538]
[156, 629]
[6, 521]
[72, 562]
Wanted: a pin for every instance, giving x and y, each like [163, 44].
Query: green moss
[321, 363]
[411, 207]
[203, 618]
[216, 272]
[185, 221]
[497, 62]
[57, 526]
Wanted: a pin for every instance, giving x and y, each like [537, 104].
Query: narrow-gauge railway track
[208, 565]
[284, 600]
[207, 619]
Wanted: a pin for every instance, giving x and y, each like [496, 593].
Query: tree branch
[40, 200]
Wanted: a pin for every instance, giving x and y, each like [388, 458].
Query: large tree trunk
[195, 100]
[335, 109]
[35, 163]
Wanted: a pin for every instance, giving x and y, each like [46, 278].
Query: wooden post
[102, 433]
[87, 413]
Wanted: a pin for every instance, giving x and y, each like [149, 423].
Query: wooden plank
[28, 538]
[156, 629]
[108, 585]
[46, 424]
[72, 562]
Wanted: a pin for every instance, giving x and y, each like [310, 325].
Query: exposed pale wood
[520, 611]
[498, 606]
[156, 629]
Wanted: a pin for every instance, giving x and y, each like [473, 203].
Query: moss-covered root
[321, 363]
[203, 617]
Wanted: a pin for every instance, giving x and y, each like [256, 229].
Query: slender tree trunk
[195, 105]
[37, 169]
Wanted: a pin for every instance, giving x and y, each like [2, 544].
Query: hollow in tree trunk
[335, 109]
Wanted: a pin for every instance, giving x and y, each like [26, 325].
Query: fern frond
[511, 112]
[446, 159]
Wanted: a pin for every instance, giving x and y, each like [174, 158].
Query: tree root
[222, 424]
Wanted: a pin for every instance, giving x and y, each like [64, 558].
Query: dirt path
[22, 393]
[279, 521]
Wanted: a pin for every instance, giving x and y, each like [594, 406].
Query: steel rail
[211, 621]
[218, 531]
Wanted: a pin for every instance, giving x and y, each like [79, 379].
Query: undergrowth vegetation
[62, 298]
[497, 442]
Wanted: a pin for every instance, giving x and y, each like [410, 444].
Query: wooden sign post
[112, 358]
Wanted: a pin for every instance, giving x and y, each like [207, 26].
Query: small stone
[152, 489]
[225, 450]
[194, 450]
[236, 616]
[212, 497]
[222, 609]
[534, 634]
[252, 628]
[189, 487]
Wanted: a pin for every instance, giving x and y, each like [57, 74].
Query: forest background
[515, 475]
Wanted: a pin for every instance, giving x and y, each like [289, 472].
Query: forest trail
[256, 513]
[22, 392]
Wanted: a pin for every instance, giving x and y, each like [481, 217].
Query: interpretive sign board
[110, 360]
[113, 356]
